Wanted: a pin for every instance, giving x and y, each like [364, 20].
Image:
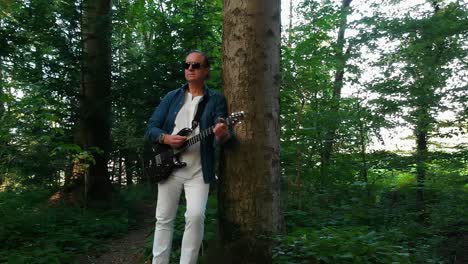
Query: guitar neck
[230, 121]
[193, 140]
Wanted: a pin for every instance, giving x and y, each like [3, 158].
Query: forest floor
[127, 249]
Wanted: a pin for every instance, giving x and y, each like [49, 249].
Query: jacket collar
[207, 92]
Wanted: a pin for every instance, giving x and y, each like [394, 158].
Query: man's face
[197, 70]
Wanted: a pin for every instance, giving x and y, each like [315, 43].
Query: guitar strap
[201, 106]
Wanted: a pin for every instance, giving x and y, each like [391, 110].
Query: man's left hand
[221, 130]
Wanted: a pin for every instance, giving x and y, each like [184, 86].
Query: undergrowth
[387, 226]
[32, 232]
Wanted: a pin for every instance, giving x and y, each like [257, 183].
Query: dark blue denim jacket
[162, 121]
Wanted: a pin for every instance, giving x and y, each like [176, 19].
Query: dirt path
[128, 249]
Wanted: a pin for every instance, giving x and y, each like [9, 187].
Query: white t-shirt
[192, 155]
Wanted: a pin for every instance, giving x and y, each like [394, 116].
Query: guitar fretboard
[193, 140]
[230, 121]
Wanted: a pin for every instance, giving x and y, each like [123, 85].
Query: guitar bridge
[158, 160]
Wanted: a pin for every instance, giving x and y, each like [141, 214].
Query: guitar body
[164, 159]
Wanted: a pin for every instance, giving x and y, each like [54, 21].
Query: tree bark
[95, 101]
[250, 187]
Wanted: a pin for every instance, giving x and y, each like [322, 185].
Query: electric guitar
[164, 159]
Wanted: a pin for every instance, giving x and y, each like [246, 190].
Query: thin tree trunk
[424, 120]
[113, 169]
[341, 58]
[363, 146]
[422, 128]
[363, 141]
[95, 104]
[299, 154]
[129, 161]
[68, 173]
[421, 141]
[2, 113]
[291, 4]
[2, 93]
[3, 141]
[119, 177]
[249, 192]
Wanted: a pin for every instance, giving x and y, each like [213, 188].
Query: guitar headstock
[235, 118]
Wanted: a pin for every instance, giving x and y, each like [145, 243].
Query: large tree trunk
[95, 98]
[341, 58]
[250, 188]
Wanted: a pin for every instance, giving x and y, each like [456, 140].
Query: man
[175, 112]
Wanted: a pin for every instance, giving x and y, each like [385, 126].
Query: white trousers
[196, 195]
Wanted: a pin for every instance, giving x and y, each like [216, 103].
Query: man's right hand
[174, 141]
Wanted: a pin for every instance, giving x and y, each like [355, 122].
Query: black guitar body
[164, 159]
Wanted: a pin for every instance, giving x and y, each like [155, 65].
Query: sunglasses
[195, 65]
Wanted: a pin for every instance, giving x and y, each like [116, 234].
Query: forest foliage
[356, 75]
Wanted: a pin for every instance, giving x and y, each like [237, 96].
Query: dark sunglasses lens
[194, 65]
